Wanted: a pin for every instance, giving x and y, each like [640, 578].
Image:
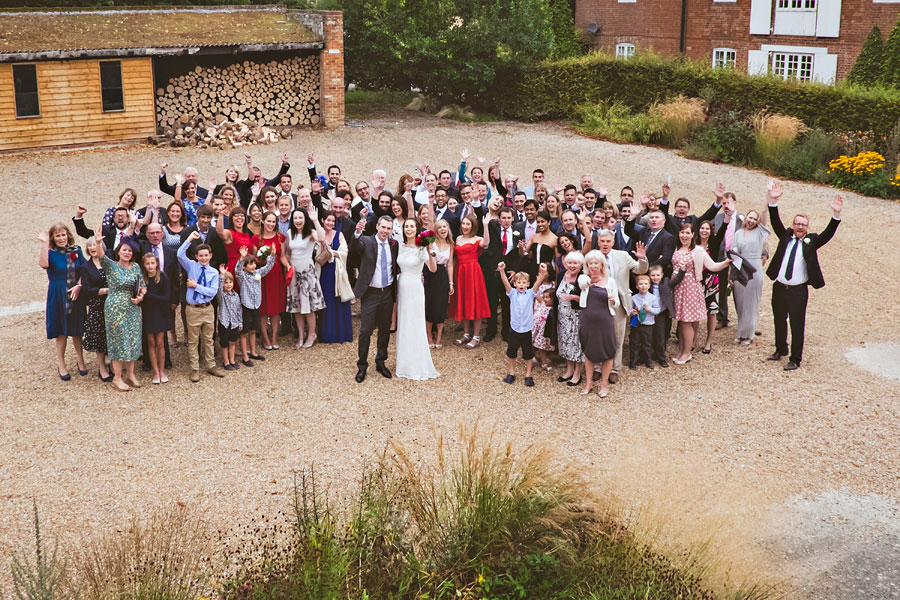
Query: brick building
[84, 76]
[807, 39]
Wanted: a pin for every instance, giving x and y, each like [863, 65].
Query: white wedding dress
[413, 356]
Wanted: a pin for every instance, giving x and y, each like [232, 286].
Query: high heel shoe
[65, 377]
[106, 379]
[310, 341]
[563, 378]
[82, 372]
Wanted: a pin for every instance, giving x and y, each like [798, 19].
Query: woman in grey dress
[750, 243]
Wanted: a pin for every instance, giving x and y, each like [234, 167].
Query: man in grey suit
[732, 220]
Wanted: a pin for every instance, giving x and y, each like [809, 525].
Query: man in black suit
[190, 174]
[151, 242]
[794, 267]
[732, 220]
[528, 226]
[442, 212]
[504, 247]
[208, 236]
[120, 231]
[375, 287]
[285, 184]
[660, 244]
[681, 216]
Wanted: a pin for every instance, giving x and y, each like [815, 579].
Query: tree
[867, 69]
[890, 73]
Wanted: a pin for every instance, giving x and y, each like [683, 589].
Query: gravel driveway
[719, 450]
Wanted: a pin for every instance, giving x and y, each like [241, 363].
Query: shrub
[863, 173]
[163, 557]
[552, 90]
[866, 70]
[616, 122]
[679, 118]
[773, 136]
[890, 67]
[45, 578]
[807, 159]
[727, 136]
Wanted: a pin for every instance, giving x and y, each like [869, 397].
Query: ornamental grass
[679, 117]
[774, 135]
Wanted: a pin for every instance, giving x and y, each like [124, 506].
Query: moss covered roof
[25, 31]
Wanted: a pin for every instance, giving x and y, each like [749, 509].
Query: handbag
[323, 254]
[136, 288]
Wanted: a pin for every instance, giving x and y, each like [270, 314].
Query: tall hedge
[553, 90]
[890, 75]
[867, 68]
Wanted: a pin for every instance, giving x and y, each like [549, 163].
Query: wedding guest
[304, 292]
[235, 236]
[155, 314]
[750, 243]
[710, 242]
[250, 290]
[568, 341]
[176, 222]
[521, 311]
[230, 318]
[661, 287]
[254, 219]
[331, 261]
[540, 248]
[62, 260]
[471, 294]
[203, 284]
[541, 336]
[597, 331]
[274, 289]
[127, 200]
[644, 308]
[439, 284]
[94, 289]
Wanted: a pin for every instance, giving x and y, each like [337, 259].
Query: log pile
[257, 96]
[218, 132]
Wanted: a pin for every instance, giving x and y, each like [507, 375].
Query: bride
[413, 356]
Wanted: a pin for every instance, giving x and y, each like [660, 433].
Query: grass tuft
[774, 135]
[679, 118]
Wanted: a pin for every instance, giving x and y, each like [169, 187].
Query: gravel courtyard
[787, 475]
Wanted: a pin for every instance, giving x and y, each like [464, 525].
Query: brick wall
[656, 24]
[332, 70]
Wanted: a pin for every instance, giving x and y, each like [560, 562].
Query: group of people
[561, 269]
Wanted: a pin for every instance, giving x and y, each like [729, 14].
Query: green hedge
[552, 90]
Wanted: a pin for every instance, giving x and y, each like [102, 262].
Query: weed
[45, 578]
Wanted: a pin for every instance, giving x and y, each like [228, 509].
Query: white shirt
[609, 265]
[510, 242]
[799, 274]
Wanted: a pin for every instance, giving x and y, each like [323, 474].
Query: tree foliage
[890, 75]
[867, 69]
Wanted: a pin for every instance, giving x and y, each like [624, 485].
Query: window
[796, 5]
[111, 85]
[26, 91]
[624, 51]
[792, 66]
[724, 58]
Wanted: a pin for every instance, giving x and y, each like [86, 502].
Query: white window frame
[794, 65]
[627, 1]
[796, 5]
[724, 64]
[624, 50]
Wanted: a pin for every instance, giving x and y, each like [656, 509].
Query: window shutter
[828, 18]
[825, 68]
[757, 62]
[760, 17]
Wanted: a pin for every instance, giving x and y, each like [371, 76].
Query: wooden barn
[74, 77]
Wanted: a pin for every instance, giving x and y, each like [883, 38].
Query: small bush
[807, 160]
[45, 578]
[679, 118]
[863, 173]
[773, 136]
[726, 136]
[616, 122]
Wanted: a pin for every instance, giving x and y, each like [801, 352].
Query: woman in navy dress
[156, 314]
[337, 323]
[65, 311]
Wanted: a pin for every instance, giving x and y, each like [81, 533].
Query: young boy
[521, 320]
[202, 283]
[662, 289]
[249, 279]
[642, 334]
[229, 318]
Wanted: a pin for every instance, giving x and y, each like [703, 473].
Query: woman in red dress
[471, 293]
[274, 288]
[235, 236]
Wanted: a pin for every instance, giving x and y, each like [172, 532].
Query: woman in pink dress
[688, 263]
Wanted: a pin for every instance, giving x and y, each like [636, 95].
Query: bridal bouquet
[426, 239]
[264, 252]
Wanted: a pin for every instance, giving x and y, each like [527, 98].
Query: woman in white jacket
[688, 263]
[599, 295]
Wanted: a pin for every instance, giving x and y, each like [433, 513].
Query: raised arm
[775, 192]
[539, 280]
[836, 206]
[501, 268]
[78, 220]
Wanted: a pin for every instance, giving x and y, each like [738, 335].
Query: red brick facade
[332, 70]
[713, 24]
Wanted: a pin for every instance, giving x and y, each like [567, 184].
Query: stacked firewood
[218, 132]
[275, 94]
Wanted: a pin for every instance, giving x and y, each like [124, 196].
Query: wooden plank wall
[71, 108]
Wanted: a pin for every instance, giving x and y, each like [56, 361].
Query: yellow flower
[480, 578]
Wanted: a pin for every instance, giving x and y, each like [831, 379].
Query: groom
[375, 290]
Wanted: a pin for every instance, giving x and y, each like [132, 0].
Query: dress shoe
[216, 371]
[509, 379]
[791, 366]
[663, 363]
[82, 372]
[385, 372]
[195, 376]
[256, 357]
[563, 378]
[613, 377]
[65, 377]
[247, 363]
[529, 382]
[361, 375]
[776, 356]
[489, 336]
[574, 383]
[106, 379]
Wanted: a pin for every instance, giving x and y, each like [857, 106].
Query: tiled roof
[41, 31]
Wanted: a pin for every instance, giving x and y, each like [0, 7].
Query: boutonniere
[516, 233]
[256, 276]
[806, 240]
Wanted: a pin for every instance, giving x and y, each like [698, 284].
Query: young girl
[543, 304]
[250, 280]
[156, 312]
[230, 318]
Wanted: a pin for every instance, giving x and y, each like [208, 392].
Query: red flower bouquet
[425, 239]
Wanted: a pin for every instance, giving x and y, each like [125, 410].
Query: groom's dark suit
[376, 300]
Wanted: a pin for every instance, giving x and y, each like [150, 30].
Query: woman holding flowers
[274, 288]
[413, 356]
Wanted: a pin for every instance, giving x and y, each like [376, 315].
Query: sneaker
[216, 371]
[195, 376]
[529, 382]
[509, 379]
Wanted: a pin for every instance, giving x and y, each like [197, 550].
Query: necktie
[384, 264]
[652, 236]
[789, 272]
[158, 257]
[610, 266]
[505, 240]
[201, 281]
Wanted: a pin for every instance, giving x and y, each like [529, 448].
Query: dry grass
[679, 117]
[774, 136]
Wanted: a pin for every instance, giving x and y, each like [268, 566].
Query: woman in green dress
[123, 313]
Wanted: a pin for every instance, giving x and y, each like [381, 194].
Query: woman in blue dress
[65, 311]
[337, 324]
